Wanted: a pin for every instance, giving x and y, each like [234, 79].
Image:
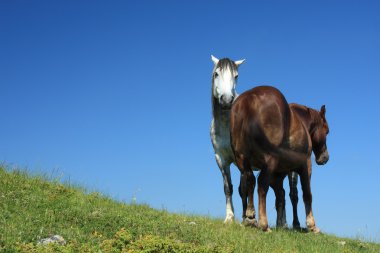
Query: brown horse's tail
[276, 151]
[293, 156]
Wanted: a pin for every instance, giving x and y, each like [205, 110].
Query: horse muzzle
[226, 101]
[323, 158]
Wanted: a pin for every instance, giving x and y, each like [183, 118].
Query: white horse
[224, 79]
[223, 94]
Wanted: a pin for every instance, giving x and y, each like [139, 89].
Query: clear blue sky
[115, 95]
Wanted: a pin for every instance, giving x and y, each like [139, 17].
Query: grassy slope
[32, 208]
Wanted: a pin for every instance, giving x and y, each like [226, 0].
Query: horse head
[224, 79]
[318, 136]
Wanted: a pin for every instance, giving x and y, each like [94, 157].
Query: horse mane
[311, 115]
[316, 119]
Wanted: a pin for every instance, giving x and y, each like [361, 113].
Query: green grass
[32, 207]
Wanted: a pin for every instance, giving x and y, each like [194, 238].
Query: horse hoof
[250, 214]
[229, 220]
[282, 225]
[297, 226]
[248, 222]
[268, 230]
[315, 230]
[265, 228]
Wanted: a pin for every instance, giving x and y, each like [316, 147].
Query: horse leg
[263, 185]
[243, 193]
[265, 176]
[243, 184]
[277, 185]
[251, 182]
[228, 188]
[293, 180]
[305, 175]
[246, 181]
[248, 209]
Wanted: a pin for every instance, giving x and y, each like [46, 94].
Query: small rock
[192, 223]
[52, 239]
[342, 243]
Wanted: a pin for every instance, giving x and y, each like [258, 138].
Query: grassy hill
[32, 208]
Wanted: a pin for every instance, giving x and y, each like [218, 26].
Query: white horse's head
[224, 79]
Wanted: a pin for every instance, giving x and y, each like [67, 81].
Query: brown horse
[268, 133]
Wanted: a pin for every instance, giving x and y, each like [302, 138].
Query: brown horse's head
[318, 136]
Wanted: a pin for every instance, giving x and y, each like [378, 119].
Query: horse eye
[215, 75]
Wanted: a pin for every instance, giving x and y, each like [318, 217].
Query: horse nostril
[232, 98]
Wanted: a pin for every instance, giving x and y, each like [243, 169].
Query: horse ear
[323, 111]
[239, 62]
[214, 59]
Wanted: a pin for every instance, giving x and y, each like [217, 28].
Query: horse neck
[305, 115]
[221, 117]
